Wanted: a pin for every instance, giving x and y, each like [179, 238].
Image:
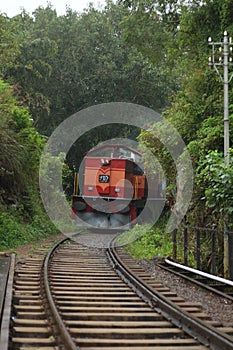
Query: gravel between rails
[217, 307]
[94, 240]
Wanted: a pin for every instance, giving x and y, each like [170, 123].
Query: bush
[14, 232]
[152, 242]
[22, 217]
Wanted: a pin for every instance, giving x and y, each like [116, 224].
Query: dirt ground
[28, 249]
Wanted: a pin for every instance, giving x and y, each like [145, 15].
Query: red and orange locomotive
[111, 188]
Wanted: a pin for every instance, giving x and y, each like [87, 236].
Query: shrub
[152, 242]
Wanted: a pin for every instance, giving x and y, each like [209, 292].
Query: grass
[15, 232]
[144, 242]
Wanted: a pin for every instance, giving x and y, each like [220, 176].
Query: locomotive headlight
[104, 161]
[117, 190]
[90, 188]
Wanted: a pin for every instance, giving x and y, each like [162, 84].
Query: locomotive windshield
[116, 151]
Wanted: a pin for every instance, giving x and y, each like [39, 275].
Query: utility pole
[223, 50]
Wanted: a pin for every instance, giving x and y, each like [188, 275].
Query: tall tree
[70, 62]
[20, 150]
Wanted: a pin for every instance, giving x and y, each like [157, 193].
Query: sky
[13, 7]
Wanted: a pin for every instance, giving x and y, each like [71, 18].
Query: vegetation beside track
[16, 231]
[152, 243]
[146, 242]
[150, 53]
[22, 217]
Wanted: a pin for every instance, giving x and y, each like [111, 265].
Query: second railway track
[95, 308]
[214, 284]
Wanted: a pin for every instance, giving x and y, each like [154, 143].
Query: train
[111, 188]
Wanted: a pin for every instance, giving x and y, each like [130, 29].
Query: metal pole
[227, 45]
[198, 247]
[174, 239]
[213, 254]
[186, 246]
[226, 142]
[226, 108]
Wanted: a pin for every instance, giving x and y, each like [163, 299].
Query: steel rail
[5, 322]
[204, 333]
[213, 289]
[200, 273]
[63, 332]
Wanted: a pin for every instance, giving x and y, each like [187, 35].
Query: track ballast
[79, 298]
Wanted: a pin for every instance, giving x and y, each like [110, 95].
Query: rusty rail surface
[6, 305]
[78, 297]
[60, 325]
[203, 332]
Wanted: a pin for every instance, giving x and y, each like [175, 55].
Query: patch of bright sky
[13, 7]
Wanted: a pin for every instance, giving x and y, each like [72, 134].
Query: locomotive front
[110, 190]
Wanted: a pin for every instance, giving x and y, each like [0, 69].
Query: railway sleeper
[101, 303]
[30, 322]
[59, 293]
[118, 324]
[31, 308]
[72, 298]
[27, 292]
[27, 276]
[32, 332]
[107, 316]
[128, 333]
[228, 330]
[29, 302]
[153, 347]
[31, 315]
[20, 342]
[163, 344]
[104, 309]
[32, 268]
[28, 283]
[37, 348]
[27, 271]
[92, 289]
[103, 283]
[27, 288]
[21, 298]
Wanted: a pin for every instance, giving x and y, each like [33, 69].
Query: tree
[9, 44]
[74, 61]
[216, 179]
[20, 150]
[196, 109]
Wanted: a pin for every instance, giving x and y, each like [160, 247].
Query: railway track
[79, 297]
[213, 283]
[30, 323]
[7, 265]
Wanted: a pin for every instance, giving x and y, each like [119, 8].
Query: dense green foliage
[196, 109]
[67, 63]
[154, 53]
[215, 178]
[15, 231]
[150, 242]
[21, 216]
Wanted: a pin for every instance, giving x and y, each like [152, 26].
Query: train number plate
[104, 178]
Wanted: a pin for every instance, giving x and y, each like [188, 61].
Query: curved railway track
[86, 298]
